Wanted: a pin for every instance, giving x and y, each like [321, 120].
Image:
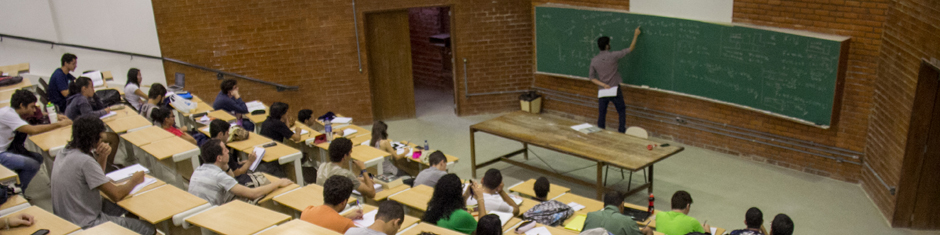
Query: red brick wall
[911, 33]
[428, 64]
[312, 44]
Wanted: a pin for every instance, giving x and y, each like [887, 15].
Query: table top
[526, 189]
[618, 149]
[6, 95]
[160, 204]
[44, 220]
[54, 138]
[147, 135]
[154, 185]
[297, 227]
[237, 217]
[259, 118]
[361, 136]
[15, 69]
[424, 156]
[119, 113]
[278, 191]
[165, 148]
[12, 201]
[7, 174]
[254, 139]
[201, 107]
[123, 124]
[310, 133]
[278, 151]
[300, 199]
[416, 197]
[427, 227]
[590, 205]
[382, 195]
[367, 153]
[107, 228]
[221, 114]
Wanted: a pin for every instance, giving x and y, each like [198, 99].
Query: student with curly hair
[447, 208]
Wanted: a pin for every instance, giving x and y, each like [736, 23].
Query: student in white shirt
[13, 154]
[132, 92]
[496, 197]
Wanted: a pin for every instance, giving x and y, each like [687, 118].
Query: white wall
[704, 10]
[122, 25]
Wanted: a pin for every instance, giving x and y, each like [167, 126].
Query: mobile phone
[272, 144]
[41, 232]
[664, 145]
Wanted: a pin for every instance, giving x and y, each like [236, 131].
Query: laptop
[180, 82]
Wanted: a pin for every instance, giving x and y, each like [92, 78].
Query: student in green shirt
[677, 221]
[447, 208]
[612, 219]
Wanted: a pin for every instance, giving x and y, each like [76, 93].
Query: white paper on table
[538, 231]
[344, 120]
[254, 105]
[126, 172]
[349, 131]
[206, 129]
[714, 230]
[95, 76]
[204, 119]
[259, 153]
[367, 219]
[147, 181]
[575, 206]
[110, 114]
[503, 216]
[611, 92]
[581, 126]
[302, 132]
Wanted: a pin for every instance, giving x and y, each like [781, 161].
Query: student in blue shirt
[59, 81]
[230, 101]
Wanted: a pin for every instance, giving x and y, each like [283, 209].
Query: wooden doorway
[919, 188]
[390, 76]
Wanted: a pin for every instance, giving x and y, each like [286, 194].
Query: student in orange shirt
[336, 193]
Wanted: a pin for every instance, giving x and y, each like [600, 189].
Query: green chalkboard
[777, 72]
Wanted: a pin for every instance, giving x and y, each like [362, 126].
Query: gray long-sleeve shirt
[79, 106]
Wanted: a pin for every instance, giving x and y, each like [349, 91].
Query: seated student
[781, 225]
[277, 125]
[340, 150]
[677, 221]
[547, 212]
[438, 168]
[448, 208]
[496, 197]
[14, 155]
[211, 182]
[132, 92]
[489, 225]
[754, 220]
[380, 141]
[336, 194]
[612, 219]
[155, 98]
[59, 81]
[164, 118]
[231, 101]
[305, 116]
[388, 220]
[78, 180]
[80, 102]
[218, 129]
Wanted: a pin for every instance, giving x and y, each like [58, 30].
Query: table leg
[599, 186]
[651, 179]
[298, 172]
[473, 156]
[525, 155]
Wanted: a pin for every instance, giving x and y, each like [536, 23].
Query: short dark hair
[603, 42]
[218, 126]
[541, 187]
[753, 218]
[159, 114]
[339, 148]
[68, 58]
[681, 199]
[211, 150]
[489, 225]
[228, 85]
[390, 210]
[613, 198]
[278, 110]
[336, 190]
[132, 77]
[436, 157]
[86, 132]
[782, 225]
[21, 97]
[304, 114]
[492, 178]
[156, 90]
[75, 88]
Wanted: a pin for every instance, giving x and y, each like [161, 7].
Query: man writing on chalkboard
[604, 73]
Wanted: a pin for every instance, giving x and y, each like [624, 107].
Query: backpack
[108, 97]
[550, 213]
[236, 133]
[6, 192]
[6, 81]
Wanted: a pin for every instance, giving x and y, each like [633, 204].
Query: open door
[919, 187]
[389, 47]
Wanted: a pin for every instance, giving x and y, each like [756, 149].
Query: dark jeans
[26, 166]
[621, 110]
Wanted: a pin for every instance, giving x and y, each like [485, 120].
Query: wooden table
[107, 228]
[129, 122]
[427, 227]
[146, 136]
[160, 204]
[154, 185]
[237, 217]
[526, 188]
[51, 142]
[368, 155]
[297, 227]
[44, 220]
[361, 136]
[300, 198]
[253, 140]
[284, 155]
[381, 196]
[590, 205]
[15, 69]
[604, 147]
[221, 114]
[171, 156]
[13, 203]
[8, 176]
[278, 191]
[416, 197]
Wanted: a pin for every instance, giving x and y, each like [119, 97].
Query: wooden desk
[129, 122]
[311, 133]
[259, 118]
[368, 155]
[7, 175]
[172, 147]
[526, 189]
[299, 199]
[14, 202]
[297, 227]
[160, 204]
[15, 69]
[146, 136]
[285, 155]
[253, 140]
[154, 185]
[107, 228]
[237, 217]
[590, 205]
[416, 197]
[279, 191]
[177, 159]
[361, 136]
[381, 196]
[427, 227]
[51, 142]
[221, 114]
[605, 147]
[44, 220]
[23, 84]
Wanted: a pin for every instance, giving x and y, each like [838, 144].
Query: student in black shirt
[275, 127]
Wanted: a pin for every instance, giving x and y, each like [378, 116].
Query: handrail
[280, 87]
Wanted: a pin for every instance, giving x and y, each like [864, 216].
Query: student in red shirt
[165, 119]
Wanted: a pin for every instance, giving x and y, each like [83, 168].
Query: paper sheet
[259, 153]
[581, 126]
[367, 219]
[344, 120]
[110, 114]
[538, 231]
[575, 206]
[714, 230]
[349, 131]
[576, 223]
[503, 217]
[612, 92]
[255, 105]
[205, 119]
[302, 132]
[95, 76]
[126, 172]
[147, 181]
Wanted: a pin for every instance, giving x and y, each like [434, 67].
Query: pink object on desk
[416, 155]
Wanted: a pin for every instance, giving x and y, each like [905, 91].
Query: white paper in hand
[259, 153]
[714, 230]
[147, 181]
[126, 172]
[367, 219]
[302, 132]
[612, 92]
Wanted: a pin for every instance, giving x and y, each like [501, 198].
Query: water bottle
[50, 110]
[426, 145]
[650, 209]
[329, 129]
